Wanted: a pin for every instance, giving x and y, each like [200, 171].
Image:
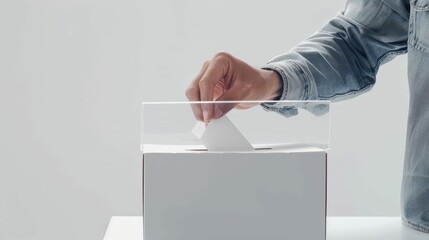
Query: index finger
[193, 92]
[216, 71]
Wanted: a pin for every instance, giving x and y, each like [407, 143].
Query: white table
[338, 228]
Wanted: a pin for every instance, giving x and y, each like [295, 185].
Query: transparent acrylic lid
[282, 123]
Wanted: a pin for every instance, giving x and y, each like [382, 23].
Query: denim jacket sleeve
[342, 59]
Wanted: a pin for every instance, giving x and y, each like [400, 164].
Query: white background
[73, 75]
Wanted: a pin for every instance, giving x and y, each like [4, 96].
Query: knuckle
[248, 86]
[190, 92]
[222, 56]
[204, 83]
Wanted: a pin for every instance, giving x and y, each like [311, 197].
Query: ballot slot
[205, 149]
[248, 127]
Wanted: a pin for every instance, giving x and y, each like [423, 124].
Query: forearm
[342, 59]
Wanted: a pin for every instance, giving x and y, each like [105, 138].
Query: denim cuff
[415, 226]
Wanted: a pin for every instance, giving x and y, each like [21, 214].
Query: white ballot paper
[221, 135]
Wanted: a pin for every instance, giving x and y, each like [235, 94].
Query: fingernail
[205, 116]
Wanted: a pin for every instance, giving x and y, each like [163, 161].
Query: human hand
[226, 78]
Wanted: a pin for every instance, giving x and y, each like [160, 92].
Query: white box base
[278, 193]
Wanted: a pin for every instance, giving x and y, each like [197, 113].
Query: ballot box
[252, 174]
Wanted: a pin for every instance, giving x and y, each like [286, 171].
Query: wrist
[274, 83]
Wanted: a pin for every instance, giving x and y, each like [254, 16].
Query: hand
[226, 78]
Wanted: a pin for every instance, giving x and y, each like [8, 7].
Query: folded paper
[221, 135]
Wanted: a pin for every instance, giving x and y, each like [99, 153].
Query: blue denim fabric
[341, 61]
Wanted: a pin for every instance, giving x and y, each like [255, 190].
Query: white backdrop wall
[73, 74]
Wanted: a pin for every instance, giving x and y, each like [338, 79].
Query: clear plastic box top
[261, 123]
